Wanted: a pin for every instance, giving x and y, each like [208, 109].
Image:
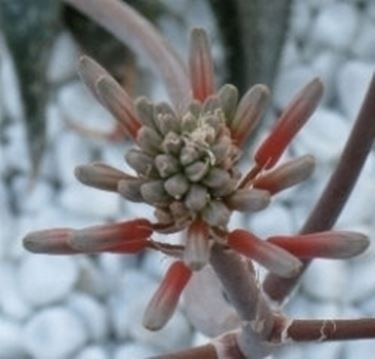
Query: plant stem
[337, 191]
[245, 295]
[323, 330]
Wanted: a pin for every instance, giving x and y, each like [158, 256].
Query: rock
[134, 286]
[359, 349]
[12, 303]
[15, 152]
[92, 314]
[263, 223]
[80, 107]
[155, 264]
[45, 279]
[11, 344]
[362, 285]
[64, 59]
[93, 352]
[175, 335]
[32, 199]
[301, 20]
[326, 280]
[324, 135]
[289, 82]
[135, 351]
[90, 202]
[91, 279]
[71, 150]
[115, 266]
[335, 26]
[54, 333]
[352, 82]
[325, 65]
[364, 45]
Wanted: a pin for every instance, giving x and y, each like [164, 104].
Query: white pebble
[93, 352]
[359, 349]
[11, 344]
[175, 335]
[91, 279]
[79, 106]
[324, 135]
[46, 279]
[364, 45]
[155, 264]
[64, 59]
[352, 82]
[335, 26]
[86, 201]
[92, 314]
[54, 333]
[263, 224]
[71, 150]
[134, 286]
[326, 280]
[362, 285]
[134, 351]
[16, 153]
[325, 65]
[289, 82]
[12, 302]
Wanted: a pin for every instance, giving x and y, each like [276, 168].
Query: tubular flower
[185, 161]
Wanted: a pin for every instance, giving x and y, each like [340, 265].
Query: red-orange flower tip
[112, 237]
[329, 244]
[201, 65]
[290, 122]
[275, 259]
[165, 300]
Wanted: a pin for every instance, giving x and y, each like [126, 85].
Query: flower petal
[275, 259]
[286, 175]
[291, 121]
[248, 200]
[118, 102]
[51, 241]
[201, 65]
[165, 300]
[249, 112]
[197, 248]
[100, 175]
[110, 236]
[329, 244]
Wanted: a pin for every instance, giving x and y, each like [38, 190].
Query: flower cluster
[185, 163]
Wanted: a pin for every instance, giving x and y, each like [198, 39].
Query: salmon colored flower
[185, 164]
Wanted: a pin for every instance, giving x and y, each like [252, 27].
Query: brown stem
[337, 191]
[205, 351]
[324, 330]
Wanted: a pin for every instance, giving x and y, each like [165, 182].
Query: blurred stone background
[90, 307]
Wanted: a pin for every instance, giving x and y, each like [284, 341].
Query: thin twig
[337, 191]
[323, 330]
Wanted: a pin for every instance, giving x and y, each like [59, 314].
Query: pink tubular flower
[164, 302]
[185, 164]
